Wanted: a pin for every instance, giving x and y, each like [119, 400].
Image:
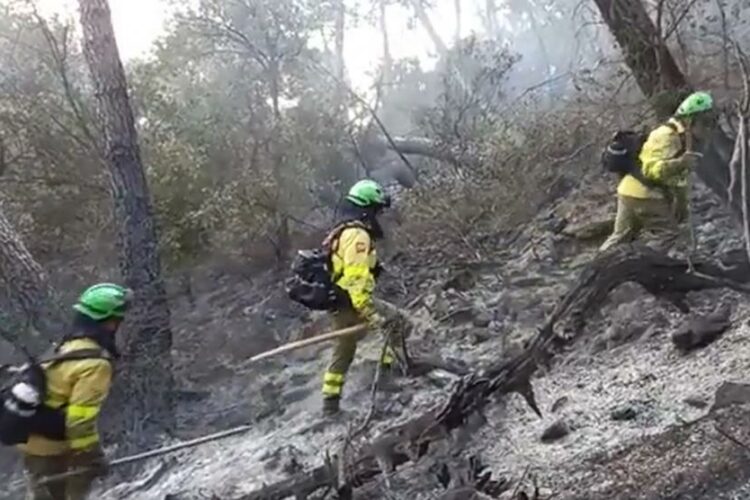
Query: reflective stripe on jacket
[79, 388]
[354, 259]
[659, 163]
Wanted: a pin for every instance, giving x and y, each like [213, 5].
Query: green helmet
[366, 193]
[697, 102]
[104, 301]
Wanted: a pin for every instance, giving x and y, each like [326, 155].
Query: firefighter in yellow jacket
[657, 211]
[78, 388]
[355, 268]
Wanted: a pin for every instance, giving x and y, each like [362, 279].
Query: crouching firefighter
[51, 411]
[340, 278]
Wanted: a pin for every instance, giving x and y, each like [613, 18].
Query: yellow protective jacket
[79, 388]
[660, 162]
[354, 259]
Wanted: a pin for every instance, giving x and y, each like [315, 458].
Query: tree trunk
[387, 57]
[149, 381]
[490, 22]
[661, 79]
[339, 28]
[537, 30]
[440, 45]
[423, 146]
[457, 10]
[645, 52]
[426, 23]
[31, 293]
[282, 242]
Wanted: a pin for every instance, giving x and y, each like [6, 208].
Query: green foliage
[241, 132]
[240, 129]
[51, 175]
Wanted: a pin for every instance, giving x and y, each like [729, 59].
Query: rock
[461, 281]
[591, 230]
[555, 224]
[557, 405]
[555, 432]
[479, 336]
[458, 316]
[696, 402]
[269, 315]
[627, 411]
[730, 394]
[482, 319]
[627, 323]
[700, 331]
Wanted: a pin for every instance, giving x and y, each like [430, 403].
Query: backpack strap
[681, 135]
[330, 243]
[76, 355]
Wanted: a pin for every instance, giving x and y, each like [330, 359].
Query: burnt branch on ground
[407, 443]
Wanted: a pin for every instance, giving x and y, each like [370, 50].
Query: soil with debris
[626, 414]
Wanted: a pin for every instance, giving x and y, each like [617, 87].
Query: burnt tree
[30, 292]
[661, 79]
[645, 51]
[149, 380]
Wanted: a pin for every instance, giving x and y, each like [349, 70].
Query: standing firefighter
[653, 200]
[340, 278]
[354, 269]
[76, 389]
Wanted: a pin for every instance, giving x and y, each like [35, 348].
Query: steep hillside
[635, 417]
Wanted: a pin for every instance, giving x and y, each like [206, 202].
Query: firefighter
[355, 268]
[78, 388]
[657, 211]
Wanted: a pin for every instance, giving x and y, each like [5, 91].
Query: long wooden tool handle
[149, 454]
[308, 342]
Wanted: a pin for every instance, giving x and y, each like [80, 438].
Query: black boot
[331, 405]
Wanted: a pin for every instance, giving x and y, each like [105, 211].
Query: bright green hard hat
[104, 301]
[697, 102]
[366, 193]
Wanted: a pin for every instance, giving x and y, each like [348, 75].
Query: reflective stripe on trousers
[333, 383]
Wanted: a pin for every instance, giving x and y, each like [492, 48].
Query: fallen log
[407, 443]
[419, 146]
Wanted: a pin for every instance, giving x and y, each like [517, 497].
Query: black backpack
[311, 283]
[622, 155]
[22, 396]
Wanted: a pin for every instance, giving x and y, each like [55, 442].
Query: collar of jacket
[348, 212]
[678, 125]
[105, 341]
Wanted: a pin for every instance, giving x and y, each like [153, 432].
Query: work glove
[93, 459]
[690, 159]
[376, 322]
[680, 166]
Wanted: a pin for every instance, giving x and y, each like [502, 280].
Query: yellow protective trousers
[343, 353]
